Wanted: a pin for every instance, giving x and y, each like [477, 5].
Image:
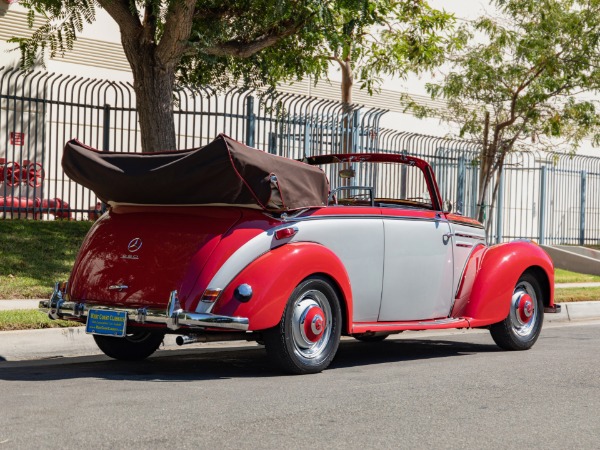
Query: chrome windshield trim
[177, 319]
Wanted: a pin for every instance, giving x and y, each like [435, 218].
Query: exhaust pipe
[217, 337]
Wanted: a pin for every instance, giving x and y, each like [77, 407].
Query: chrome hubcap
[311, 324]
[523, 311]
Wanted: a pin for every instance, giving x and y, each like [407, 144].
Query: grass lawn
[577, 294]
[35, 254]
[27, 319]
[564, 276]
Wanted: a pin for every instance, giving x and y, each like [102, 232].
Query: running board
[438, 324]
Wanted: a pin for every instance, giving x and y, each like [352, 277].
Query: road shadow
[213, 364]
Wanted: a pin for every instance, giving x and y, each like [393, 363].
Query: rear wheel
[308, 335]
[522, 326]
[133, 347]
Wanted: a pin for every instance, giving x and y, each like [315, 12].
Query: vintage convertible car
[226, 242]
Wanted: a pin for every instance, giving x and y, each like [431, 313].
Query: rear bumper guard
[58, 307]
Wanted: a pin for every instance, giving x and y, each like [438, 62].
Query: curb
[55, 343]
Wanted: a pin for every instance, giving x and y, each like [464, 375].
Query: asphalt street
[420, 390]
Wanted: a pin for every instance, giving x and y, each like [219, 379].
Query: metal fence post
[272, 143]
[250, 121]
[542, 224]
[582, 208]
[500, 208]
[460, 185]
[474, 188]
[106, 128]
[356, 131]
[403, 177]
[307, 139]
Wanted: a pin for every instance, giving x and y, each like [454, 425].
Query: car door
[418, 266]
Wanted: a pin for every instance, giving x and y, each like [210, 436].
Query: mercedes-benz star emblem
[134, 245]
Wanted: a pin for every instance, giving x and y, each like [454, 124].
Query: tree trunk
[486, 164]
[153, 88]
[347, 122]
[347, 82]
[153, 62]
[153, 83]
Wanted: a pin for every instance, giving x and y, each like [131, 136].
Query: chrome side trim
[469, 236]
[467, 224]
[117, 287]
[174, 317]
[370, 216]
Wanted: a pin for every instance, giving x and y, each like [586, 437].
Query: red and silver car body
[229, 272]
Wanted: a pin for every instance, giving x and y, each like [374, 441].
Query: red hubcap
[314, 324]
[525, 308]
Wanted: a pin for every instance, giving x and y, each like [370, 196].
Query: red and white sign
[17, 138]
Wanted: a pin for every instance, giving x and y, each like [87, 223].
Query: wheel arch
[274, 276]
[541, 275]
[344, 306]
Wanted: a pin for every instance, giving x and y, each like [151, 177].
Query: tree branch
[245, 49]
[120, 12]
[177, 31]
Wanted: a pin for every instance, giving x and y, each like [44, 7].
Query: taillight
[285, 233]
[211, 295]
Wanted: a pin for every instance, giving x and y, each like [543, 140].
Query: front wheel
[522, 326]
[133, 347]
[308, 335]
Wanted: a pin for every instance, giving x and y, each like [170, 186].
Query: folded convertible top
[224, 172]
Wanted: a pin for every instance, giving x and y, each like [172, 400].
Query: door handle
[446, 237]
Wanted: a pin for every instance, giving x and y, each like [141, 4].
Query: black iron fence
[552, 198]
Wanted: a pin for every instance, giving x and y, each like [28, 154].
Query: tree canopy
[256, 42]
[524, 79]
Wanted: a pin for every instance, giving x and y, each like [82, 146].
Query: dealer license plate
[106, 322]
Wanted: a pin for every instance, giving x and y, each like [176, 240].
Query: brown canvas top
[222, 172]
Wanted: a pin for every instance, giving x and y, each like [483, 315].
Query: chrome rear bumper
[173, 317]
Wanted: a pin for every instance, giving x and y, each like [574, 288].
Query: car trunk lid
[135, 256]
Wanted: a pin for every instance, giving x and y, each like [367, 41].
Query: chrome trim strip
[177, 318]
[467, 224]
[469, 236]
[369, 216]
[447, 320]
[117, 287]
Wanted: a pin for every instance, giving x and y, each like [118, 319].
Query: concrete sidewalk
[8, 305]
[575, 285]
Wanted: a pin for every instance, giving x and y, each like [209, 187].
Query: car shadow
[213, 364]
[354, 354]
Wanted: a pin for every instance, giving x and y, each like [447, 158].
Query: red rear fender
[274, 275]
